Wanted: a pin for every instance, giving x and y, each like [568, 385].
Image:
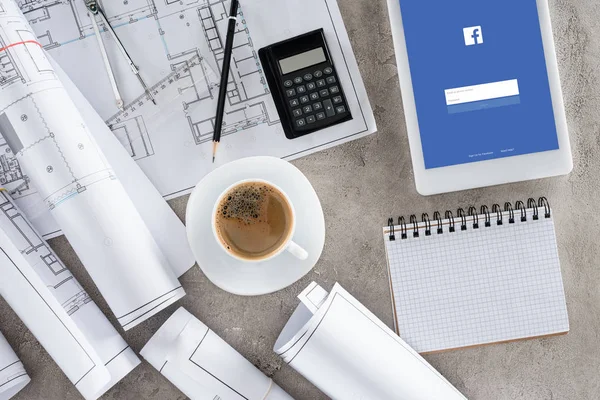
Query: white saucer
[251, 279]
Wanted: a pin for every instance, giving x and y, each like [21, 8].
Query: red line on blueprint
[19, 43]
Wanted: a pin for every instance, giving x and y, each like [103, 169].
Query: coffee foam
[245, 203]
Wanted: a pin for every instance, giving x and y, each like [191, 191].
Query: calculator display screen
[302, 60]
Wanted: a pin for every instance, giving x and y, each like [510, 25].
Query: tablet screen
[479, 78]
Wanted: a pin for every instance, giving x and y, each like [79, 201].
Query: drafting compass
[95, 10]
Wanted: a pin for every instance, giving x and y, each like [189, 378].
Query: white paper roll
[203, 366]
[348, 353]
[13, 376]
[29, 297]
[37, 259]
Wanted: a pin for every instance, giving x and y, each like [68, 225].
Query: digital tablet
[481, 92]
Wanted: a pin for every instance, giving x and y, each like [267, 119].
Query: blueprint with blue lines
[178, 47]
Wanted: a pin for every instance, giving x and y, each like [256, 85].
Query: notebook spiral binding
[484, 216]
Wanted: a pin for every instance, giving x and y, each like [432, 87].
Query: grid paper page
[478, 286]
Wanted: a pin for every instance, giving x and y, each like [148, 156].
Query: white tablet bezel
[489, 172]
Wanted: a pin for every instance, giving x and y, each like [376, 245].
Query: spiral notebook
[478, 277]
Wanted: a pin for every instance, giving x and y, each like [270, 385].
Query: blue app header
[479, 79]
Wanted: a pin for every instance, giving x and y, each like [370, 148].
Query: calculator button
[340, 109]
[310, 119]
[324, 93]
[337, 99]
[304, 99]
[328, 108]
[294, 103]
[321, 83]
[320, 116]
[307, 109]
[331, 79]
[290, 92]
[301, 89]
[317, 106]
[298, 80]
[328, 70]
[334, 89]
[318, 74]
[288, 83]
[308, 77]
[314, 96]
[311, 86]
[300, 122]
[297, 112]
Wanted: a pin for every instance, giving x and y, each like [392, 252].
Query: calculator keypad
[314, 97]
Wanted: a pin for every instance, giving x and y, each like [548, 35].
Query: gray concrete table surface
[360, 184]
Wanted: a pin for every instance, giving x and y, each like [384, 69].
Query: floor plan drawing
[197, 86]
[246, 81]
[10, 170]
[8, 70]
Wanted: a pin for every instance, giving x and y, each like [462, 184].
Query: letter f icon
[475, 35]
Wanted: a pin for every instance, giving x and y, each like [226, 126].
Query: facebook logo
[473, 35]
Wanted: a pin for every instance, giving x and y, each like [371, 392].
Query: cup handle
[297, 251]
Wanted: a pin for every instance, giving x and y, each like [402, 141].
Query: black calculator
[304, 84]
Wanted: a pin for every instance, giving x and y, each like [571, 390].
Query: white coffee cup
[289, 245]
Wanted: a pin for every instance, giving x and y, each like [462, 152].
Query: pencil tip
[213, 159]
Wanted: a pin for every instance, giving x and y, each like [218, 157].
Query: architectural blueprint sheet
[31, 274]
[13, 376]
[55, 146]
[342, 348]
[203, 366]
[178, 46]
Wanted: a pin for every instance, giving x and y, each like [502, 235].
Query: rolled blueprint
[57, 151]
[166, 228]
[25, 292]
[348, 353]
[203, 366]
[13, 376]
[44, 294]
